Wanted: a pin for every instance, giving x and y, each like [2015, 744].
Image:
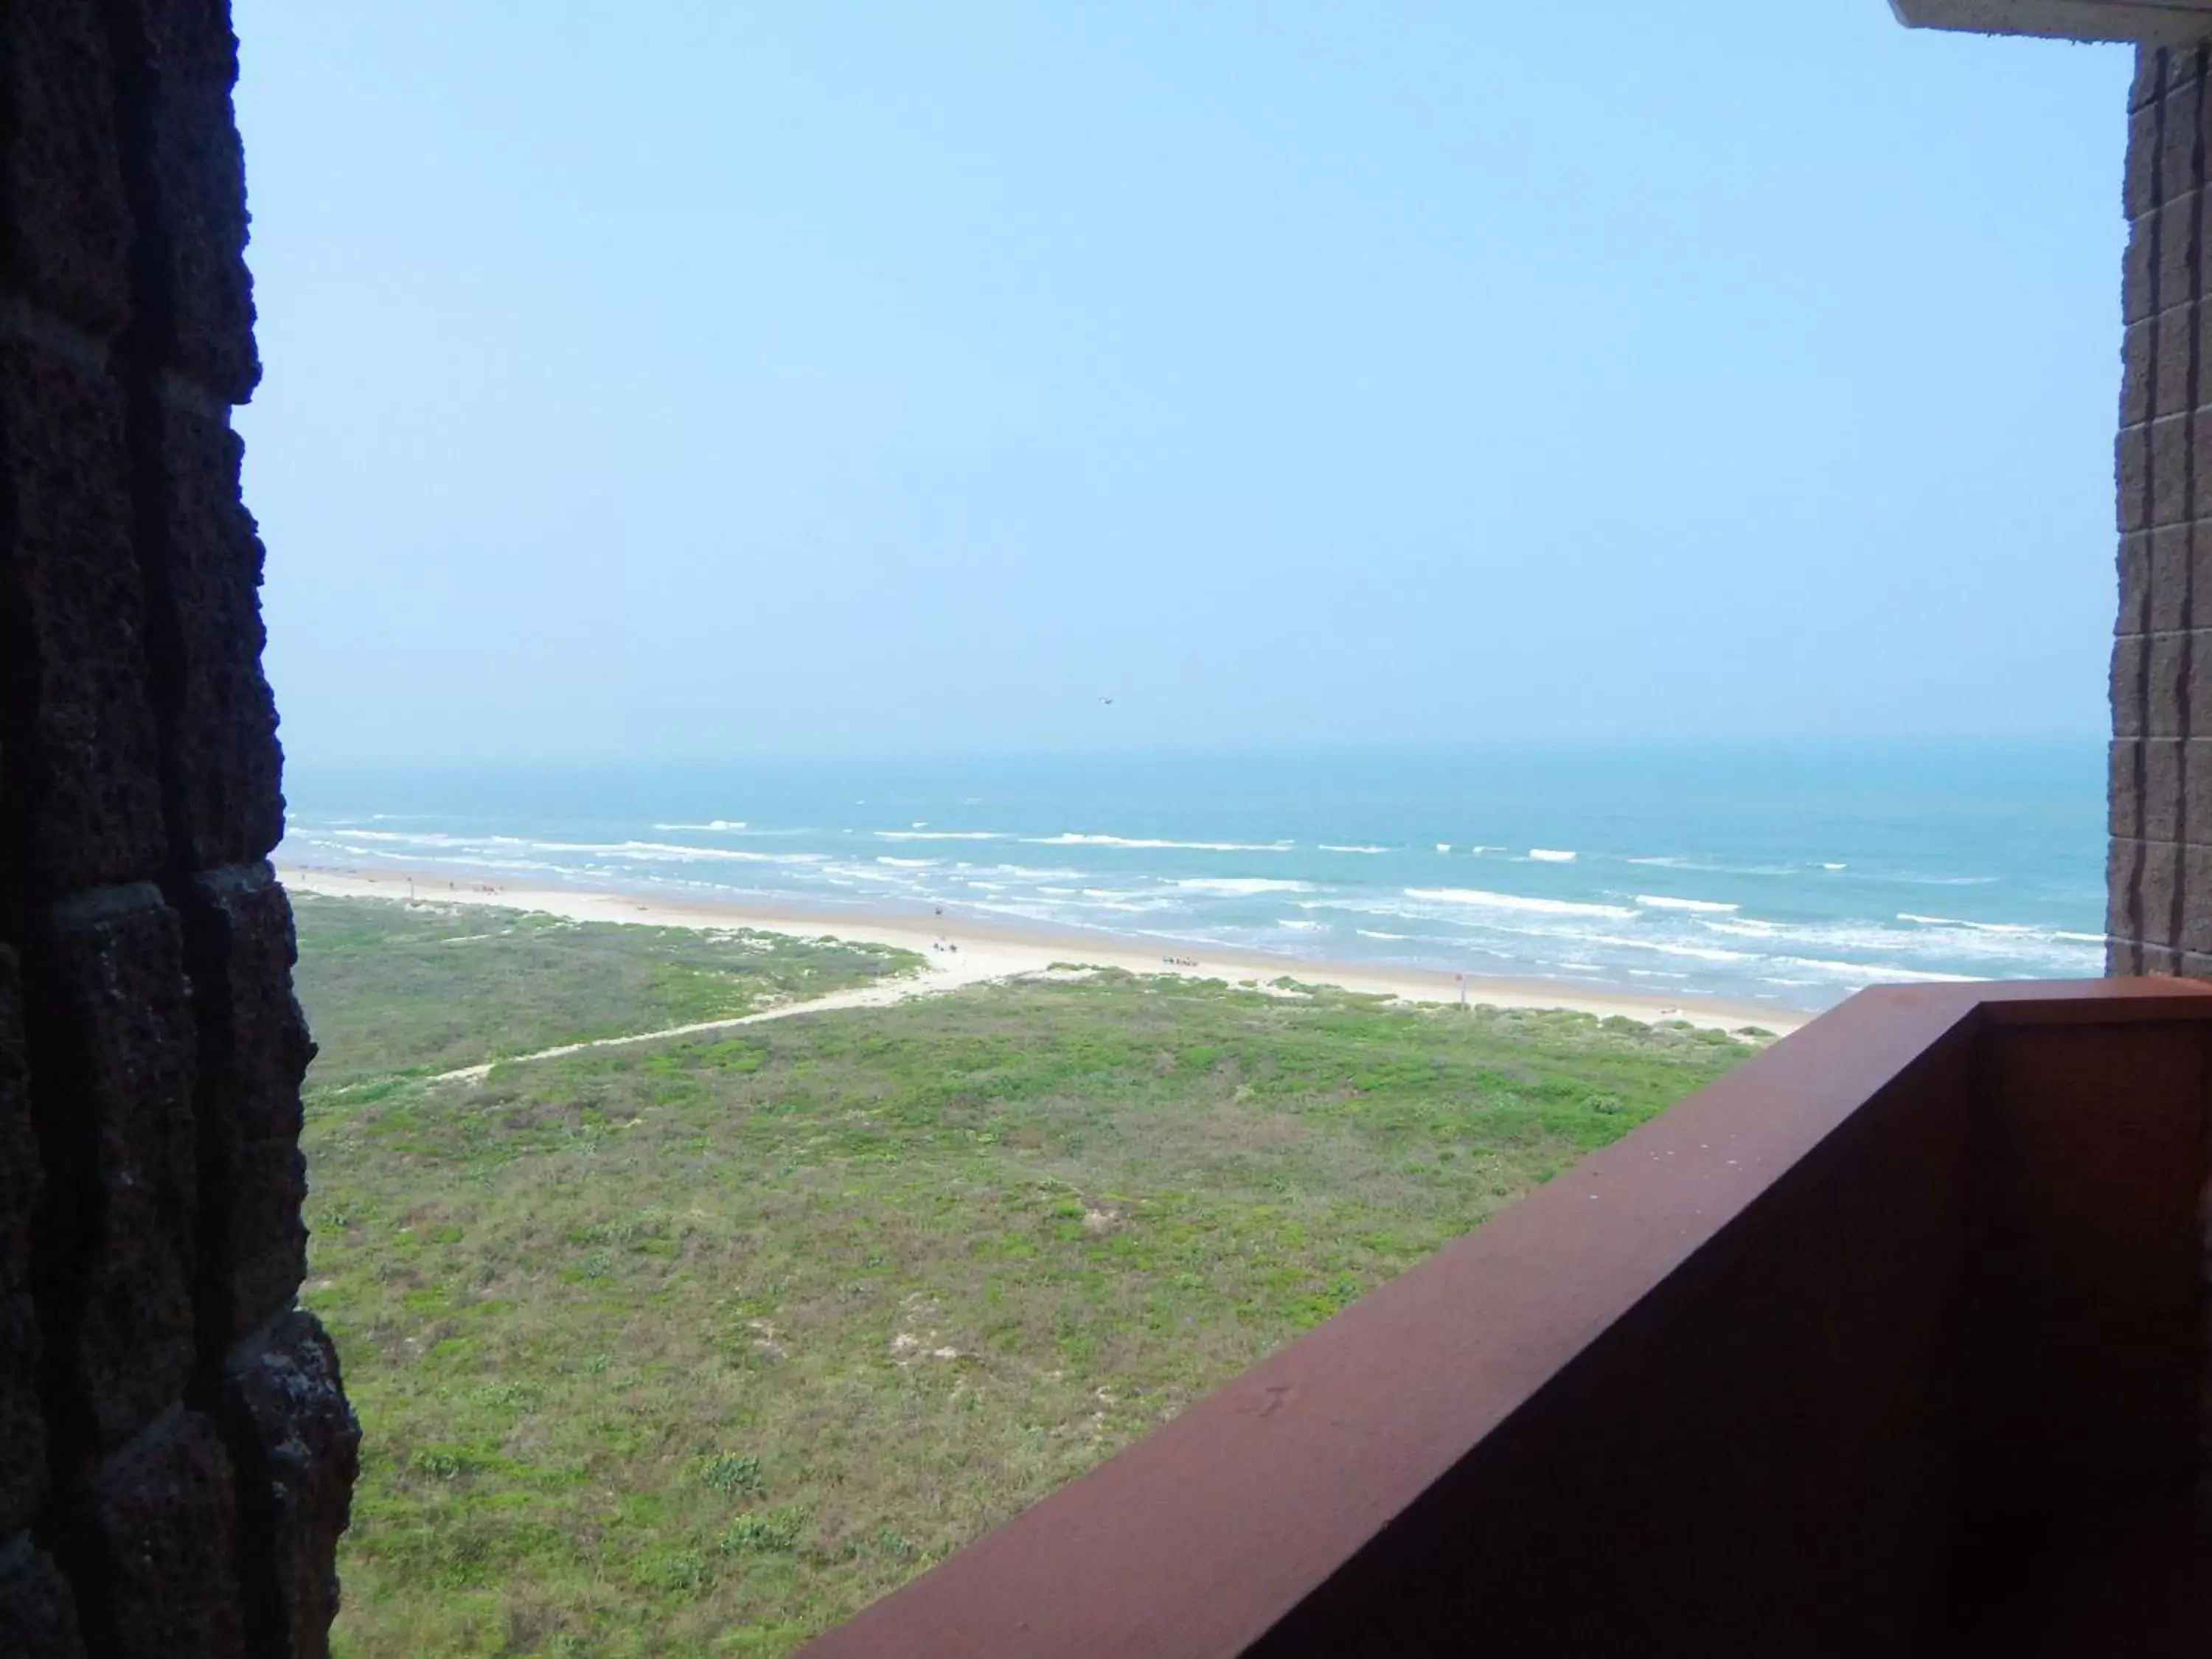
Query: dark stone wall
[2160, 876]
[176, 1452]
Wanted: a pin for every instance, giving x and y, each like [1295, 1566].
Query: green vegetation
[399, 990]
[695, 1347]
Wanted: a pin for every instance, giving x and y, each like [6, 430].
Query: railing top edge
[2088, 1001]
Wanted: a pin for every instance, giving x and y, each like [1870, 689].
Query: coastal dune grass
[697, 1347]
[411, 989]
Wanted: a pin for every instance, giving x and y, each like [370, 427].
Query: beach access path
[957, 951]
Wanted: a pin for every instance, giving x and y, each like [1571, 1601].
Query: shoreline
[957, 951]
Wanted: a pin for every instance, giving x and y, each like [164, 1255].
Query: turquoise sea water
[1790, 876]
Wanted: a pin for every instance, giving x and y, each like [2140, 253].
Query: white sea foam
[1516, 902]
[1242, 884]
[647, 851]
[1301, 926]
[1977, 927]
[1551, 855]
[1671, 862]
[1443, 847]
[1699, 952]
[1658, 903]
[723, 825]
[910, 864]
[920, 834]
[1835, 866]
[1330, 846]
[1370, 933]
[658, 852]
[1072, 839]
[1872, 972]
[2012, 947]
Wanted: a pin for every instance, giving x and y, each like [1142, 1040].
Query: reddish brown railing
[1848, 1353]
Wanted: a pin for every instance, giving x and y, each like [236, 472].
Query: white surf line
[881, 994]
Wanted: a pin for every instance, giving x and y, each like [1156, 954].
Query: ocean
[1789, 875]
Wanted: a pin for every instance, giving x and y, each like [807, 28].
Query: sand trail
[935, 977]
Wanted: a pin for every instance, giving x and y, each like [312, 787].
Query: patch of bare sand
[956, 952]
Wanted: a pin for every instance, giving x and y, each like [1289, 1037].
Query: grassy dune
[698, 1346]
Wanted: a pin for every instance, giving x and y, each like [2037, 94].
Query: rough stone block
[38, 1613]
[151, 1546]
[2198, 319]
[2168, 482]
[83, 797]
[2133, 569]
[2139, 194]
[193, 198]
[2176, 261]
[2196, 899]
[2198, 688]
[2161, 789]
[253, 1052]
[2172, 389]
[112, 1047]
[2123, 921]
[2138, 271]
[2196, 481]
[2164, 708]
[2157, 887]
[2170, 577]
[2122, 908]
[2138, 371]
[2197, 791]
[2178, 139]
[219, 719]
[2149, 78]
[2132, 464]
[2124, 804]
[2129, 654]
[2160, 959]
[64, 222]
[22, 1426]
[296, 1446]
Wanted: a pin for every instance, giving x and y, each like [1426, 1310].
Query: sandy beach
[958, 951]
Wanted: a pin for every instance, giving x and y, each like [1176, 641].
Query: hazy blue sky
[695, 377]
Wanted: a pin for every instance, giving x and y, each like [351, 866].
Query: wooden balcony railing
[1890, 1342]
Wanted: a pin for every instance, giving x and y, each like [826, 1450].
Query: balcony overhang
[2154, 22]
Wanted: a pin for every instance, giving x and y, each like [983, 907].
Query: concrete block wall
[176, 1452]
[2159, 875]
